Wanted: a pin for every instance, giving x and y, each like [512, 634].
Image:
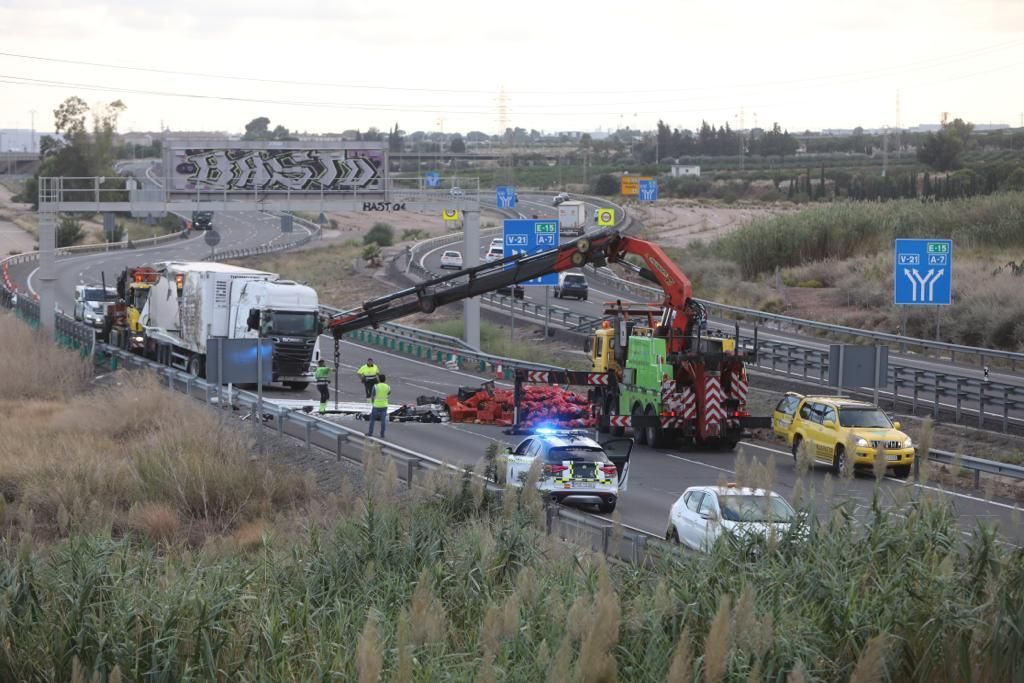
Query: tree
[69, 117]
[457, 145]
[926, 188]
[117, 234]
[395, 140]
[606, 185]
[586, 142]
[257, 129]
[942, 150]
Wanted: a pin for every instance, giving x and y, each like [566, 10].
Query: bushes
[381, 234]
[69, 232]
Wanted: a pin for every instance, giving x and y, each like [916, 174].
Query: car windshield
[286, 322]
[863, 417]
[575, 280]
[751, 508]
[451, 254]
[98, 294]
[576, 453]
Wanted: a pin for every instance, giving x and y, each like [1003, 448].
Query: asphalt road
[657, 476]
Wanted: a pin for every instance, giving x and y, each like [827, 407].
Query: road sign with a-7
[923, 272]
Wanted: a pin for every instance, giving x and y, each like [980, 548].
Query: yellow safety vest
[381, 392]
[368, 371]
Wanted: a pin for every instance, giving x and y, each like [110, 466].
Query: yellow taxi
[836, 428]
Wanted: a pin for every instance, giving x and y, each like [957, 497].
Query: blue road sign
[506, 197]
[526, 236]
[433, 179]
[924, 272]
[648, 190]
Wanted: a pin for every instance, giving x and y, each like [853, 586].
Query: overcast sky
[330, 65]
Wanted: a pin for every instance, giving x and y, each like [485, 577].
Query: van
[571, 284]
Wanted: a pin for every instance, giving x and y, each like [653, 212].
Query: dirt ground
[678, 222]
[13, 239]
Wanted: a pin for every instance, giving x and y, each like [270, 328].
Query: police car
[574, 468]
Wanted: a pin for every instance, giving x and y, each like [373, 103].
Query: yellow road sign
[630, 186]
[606, 217]
[450, 214]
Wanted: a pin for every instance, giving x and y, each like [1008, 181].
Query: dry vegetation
[120, 459]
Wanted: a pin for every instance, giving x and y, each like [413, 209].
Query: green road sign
[938, 247]
[545, 228]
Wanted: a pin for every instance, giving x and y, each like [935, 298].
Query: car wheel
[640, 433]
[672, 535]
[585, 297]
[901, 471]
[607, 507]
[297, 386]
[839, 460]
[797, 440]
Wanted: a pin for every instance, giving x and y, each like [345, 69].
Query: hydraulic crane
[663, 378]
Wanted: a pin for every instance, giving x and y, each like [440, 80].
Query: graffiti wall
[250, 169]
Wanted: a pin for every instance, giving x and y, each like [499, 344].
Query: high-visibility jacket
[368, 371]
[322, 374]
[381, 392]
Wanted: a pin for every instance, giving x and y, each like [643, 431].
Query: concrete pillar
[471, 307]
[47, 275]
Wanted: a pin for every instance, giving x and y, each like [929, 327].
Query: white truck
[572, 216]
[193, 301]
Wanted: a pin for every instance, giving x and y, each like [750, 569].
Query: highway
[657, 476]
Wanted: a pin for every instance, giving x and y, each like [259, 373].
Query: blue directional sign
[924, 272]
[526, 236]
[506, 197]
[648, 190]
[433, 179]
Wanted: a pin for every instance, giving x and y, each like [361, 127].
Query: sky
[323, 66]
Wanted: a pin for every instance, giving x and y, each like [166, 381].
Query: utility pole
[885, 149]
[33, 139]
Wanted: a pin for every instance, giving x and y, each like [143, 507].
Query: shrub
[69, 232]
[606, 185]
[380, 234]
[414, 234]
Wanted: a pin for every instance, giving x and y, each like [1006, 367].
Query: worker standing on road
[323, 384]
[368, 376]
[379, 406]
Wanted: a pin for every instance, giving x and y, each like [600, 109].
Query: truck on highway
[190, 302]
[572, 217]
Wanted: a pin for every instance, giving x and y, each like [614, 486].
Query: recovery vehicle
[655, 370]
[122, 327]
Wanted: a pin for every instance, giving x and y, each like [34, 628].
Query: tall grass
[845, 229]
[32, 367]
[449, 591]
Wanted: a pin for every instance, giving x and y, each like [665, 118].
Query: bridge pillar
[47, 273]
[471, 307]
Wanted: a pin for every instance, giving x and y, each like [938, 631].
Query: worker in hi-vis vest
[323, 383]
[368, 375]
[379, 405]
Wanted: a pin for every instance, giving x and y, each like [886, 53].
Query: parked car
[560, 197]
[704, 513]
[451, 259]
[91, 302]
[574, 468]
[836, 428]
[571, 285]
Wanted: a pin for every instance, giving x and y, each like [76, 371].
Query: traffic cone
[500, 372]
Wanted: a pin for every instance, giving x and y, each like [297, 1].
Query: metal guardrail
[783, 322]
[977, 466]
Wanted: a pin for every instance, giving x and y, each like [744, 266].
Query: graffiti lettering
[383, 206]
[277, 170]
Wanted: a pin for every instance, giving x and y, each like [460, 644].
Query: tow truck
[654, 371]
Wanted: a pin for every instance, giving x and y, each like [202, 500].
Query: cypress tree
[789, 195]
[927, 189]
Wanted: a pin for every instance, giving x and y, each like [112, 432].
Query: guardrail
[977, 466]
[790, 324]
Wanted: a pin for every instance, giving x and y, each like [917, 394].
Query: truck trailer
[572, 216]
[190, 302]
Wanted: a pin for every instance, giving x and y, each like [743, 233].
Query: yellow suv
[833, 425]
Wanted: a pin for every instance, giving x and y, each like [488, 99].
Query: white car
[494, 254]
[456, 192]
[497, 243]
[704, 513]
[574, 468]
[560, 197]
[451, 259]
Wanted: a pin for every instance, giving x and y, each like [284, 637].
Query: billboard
[245, 167]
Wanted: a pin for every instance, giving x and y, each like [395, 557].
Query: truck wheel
[652, 434]
[195, 366]
[297, 386]
[639, 432]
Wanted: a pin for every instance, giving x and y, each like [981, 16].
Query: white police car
[574, 468]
